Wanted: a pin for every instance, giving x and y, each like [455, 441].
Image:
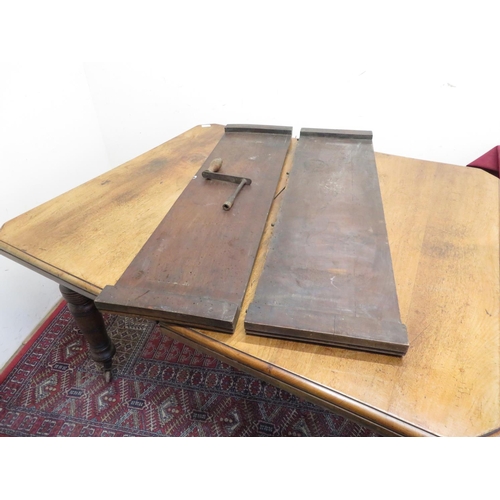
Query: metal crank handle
[229, 203]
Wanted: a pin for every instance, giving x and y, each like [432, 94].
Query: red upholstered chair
[489, 162]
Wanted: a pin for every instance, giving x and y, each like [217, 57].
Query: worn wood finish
[195, 267]
[443, 228]
[85, 238]
[328, 275]
[88, 236]
[442, 223]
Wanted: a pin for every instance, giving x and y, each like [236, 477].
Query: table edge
[49, 271]
[330, 399]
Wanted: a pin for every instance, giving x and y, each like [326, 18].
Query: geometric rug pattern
[160, 387]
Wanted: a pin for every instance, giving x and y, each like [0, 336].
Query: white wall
[424, 76]
[50, 141]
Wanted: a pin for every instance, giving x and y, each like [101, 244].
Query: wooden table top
[443, 227]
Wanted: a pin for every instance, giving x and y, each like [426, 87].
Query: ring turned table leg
[91, 323]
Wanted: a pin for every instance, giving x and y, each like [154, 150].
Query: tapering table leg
[91, 323]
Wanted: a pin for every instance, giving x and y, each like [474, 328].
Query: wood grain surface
[443, 229]
[195, 267]
[87, 237]
[328, 275]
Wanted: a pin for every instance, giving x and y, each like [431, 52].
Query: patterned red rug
[160, 387]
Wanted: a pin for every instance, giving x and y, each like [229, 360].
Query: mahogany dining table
[443, 228]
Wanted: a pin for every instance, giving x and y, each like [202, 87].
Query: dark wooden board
[328, 275]
[195, 267]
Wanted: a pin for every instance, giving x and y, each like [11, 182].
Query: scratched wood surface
[443, 228]
[87, 237]
[328, 274]
[442, 223]
[195, 267]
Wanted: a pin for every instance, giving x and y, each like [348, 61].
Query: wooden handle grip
[215, 165]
